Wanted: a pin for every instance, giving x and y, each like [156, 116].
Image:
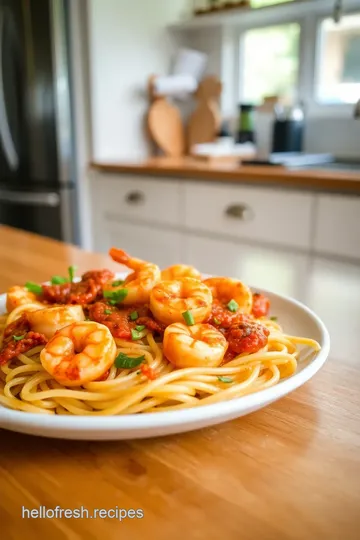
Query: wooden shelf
[266, 15]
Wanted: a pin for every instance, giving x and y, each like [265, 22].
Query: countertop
[288, 472]
[222, 171]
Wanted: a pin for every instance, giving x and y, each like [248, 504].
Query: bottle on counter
[246, 131]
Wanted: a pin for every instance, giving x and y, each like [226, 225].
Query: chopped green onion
[233, 306]
[115, 297]
[58, 280]
[273, 318]
[140, 328]
[135, 335]
[107, 311]
[216, 321]
[72, 270]
[18, 338]
[225, 379]
[134, 315]
[189, 318]
[34, 287]
[127, 362]
[118, 283]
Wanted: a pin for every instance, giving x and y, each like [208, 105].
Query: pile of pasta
[141, 378]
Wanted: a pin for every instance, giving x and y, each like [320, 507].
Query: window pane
[271, 62]
[339, 60]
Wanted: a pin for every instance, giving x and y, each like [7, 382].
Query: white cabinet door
[154, 244]
[283, 272]
[337, 229]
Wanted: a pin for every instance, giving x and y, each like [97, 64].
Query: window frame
[309, 56]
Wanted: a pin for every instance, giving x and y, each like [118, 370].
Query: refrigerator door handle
[29, 199]
[5, 133]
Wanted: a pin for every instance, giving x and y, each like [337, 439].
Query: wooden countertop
[328, 180]
[288, 472]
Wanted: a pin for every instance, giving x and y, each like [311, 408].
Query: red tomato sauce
[261, 305]
[12, 348]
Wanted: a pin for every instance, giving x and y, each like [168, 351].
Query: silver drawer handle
[30, 199]
[135, 197]
[240, 211]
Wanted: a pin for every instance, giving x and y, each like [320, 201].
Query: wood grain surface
[290, 471]
[222, 171]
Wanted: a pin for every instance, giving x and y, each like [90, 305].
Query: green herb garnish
[34, 287]
[118, 283]
[273, 318]
[134, 315]
[115, 297]
[140, 328]
[225, 379]
[107, 311]
[216, 321]
[233, 306]
[127, 362]
[58, 280]
[18, 338]
[72, 270]
[189, 318]
[135, 335]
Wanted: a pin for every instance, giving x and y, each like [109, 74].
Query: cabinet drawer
[138, 198]
[263, 214]
[337, 229]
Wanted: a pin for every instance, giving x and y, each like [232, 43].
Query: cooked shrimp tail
[138, 284]
[120, 256]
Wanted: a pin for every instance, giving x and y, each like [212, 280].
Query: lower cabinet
[154, 244]
[283, 272]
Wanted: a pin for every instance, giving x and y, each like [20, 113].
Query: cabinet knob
[240, 211]
[135, 197]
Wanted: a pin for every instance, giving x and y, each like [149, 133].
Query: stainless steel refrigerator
[37, 170]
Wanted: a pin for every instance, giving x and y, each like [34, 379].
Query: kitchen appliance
[37, 184]
[288, 130]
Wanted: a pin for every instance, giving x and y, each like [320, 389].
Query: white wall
[128, 41]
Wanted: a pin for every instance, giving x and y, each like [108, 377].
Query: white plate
[295, 318]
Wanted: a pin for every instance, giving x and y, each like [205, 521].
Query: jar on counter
[246, 132]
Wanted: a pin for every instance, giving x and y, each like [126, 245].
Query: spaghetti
[154, 384]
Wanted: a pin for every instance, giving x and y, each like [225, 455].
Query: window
[339, 60]
[270, 62]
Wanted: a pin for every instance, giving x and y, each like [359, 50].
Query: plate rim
[167, 419]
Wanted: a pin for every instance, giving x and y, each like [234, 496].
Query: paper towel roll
[179, 86]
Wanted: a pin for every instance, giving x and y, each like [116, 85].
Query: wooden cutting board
[166, 127]
[204, 123]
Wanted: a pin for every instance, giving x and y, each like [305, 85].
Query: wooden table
[290, 471]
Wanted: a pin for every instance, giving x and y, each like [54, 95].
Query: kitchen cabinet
[264, 236]
[255, 213]
[284, 272]
[149, 243]
[337, 225]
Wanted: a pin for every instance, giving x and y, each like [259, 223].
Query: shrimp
[19, 296]
[137, 286]
[170, 299]
[49, 320]
[79, 353]
[200, 345]
[226, 289]
[179, 271]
